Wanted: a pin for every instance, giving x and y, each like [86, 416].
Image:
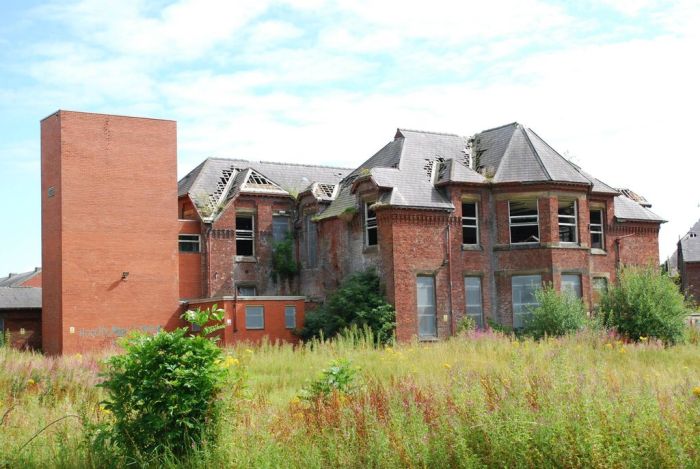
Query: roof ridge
[576, 167]
[428, 132]
[534, 151]
[499, 127]
[281, 163]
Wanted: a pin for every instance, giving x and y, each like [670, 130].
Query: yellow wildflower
[231, 361]
[609, 346]
[447, 366]
[249, 351]
[696, 391]
[643, 339]
[295, 400]
[78, 356]
[31, 382]
[105, 410]
[623, 350]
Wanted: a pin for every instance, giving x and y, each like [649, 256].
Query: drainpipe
[449, 278]
[617, 250]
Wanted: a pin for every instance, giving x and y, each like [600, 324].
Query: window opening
[524, 221]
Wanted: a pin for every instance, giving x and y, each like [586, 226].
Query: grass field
[486, 400]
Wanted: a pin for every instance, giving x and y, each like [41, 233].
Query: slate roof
[20, 298]
[16, 280]
[690, 244]
[629, 210]
[514, 153]
[404, 166]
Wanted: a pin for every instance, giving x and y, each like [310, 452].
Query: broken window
[472, 293]
[568, 231]
[290, 317]
[280, 227]
[596, 228]
[600, 286]
[370, 226]
[246, 290]
[571, 283]
[524, 221]
[245, 235]
[311, 240]
[255, 317]
[470, 223]
[188, 242]
[524, 300]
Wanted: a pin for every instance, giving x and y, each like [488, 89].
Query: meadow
[480, 400]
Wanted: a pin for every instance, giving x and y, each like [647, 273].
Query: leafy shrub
[358, 302]
[466, 324]
[162, 391]
[557, 314]
[338, 378]
[645, 303]
[284, 266]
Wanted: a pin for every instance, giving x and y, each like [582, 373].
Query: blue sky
[612, 84]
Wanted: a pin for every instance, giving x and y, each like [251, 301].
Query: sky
[613, 85]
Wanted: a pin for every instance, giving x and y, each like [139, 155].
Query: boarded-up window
[474, 307]
[524, 288]
[427, 312]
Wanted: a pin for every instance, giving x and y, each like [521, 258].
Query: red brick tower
[109, 228]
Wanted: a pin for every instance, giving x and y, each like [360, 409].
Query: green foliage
[498, 327]
[557, 314]
[284, 265]
[466, 324]
[645, 303]
[357, 302]
[162, 391]
[338, 378]
[201, 317]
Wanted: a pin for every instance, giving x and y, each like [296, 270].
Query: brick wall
[24, 327]
[113, 210]
[691, 280]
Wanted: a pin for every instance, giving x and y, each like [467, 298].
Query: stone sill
[516, 247]
[370, 249]
[246, 259]
[598, 252]
[472, 247]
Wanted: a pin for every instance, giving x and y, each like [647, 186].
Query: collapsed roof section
[217, 180]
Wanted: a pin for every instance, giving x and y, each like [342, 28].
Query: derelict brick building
[454, 225]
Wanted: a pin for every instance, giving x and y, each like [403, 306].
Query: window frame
[597, 293]
[479, 320]
[601, 226]
[286, 317]
[239, 287]
[310, 227]
[522, 312]
[434, 306]
[262, 317]
[287, 231]
[245, 234]
[511, 224]
[181, 241]
[573, 202]
[577, 293]
[370, 225]
[475, 219]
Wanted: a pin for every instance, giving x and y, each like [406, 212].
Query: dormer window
[370, 226]
[524, 221]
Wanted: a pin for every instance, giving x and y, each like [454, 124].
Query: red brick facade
[109, 228]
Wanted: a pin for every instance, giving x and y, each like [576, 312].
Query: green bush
[358, 302]
[284, 265]
[162, 391]
[557, 314]
[338, 378]
[645, 303]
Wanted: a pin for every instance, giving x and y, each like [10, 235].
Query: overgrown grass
[480, 400]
